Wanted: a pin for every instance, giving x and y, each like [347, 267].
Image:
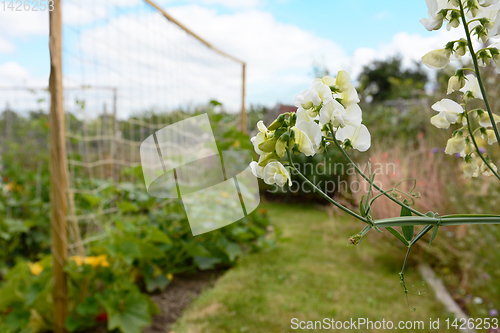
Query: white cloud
[230, 3]
[411, 47]
[143, 54]
[6, 46]
[278, 55]
[12, 71]
[156, 65]
[233, 4]
[14, 74]
[24, 23]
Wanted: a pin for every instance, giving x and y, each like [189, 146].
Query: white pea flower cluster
[450, 112]
[484, 23]
[329, 106]
[482, 18]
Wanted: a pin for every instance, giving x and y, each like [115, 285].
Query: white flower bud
[470, 169]
[257, 170]
[455, 83]
[484, 119]
[437, 59]
[490, 137]
[455, 145]
[485, 171]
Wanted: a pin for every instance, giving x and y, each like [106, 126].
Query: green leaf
[33, 292]
[159, 282]
[90, 307]
[92, 199]
[130, 314]
[408, 230]
[72, 323]
[206, 262]
[17, 319]
[150, 251]
[398, 235]
[362, 207]
[127, 206]
[232, 250]
[130, 251]
[434, 234]
[158, 236]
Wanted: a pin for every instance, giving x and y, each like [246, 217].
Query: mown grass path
[311, 275]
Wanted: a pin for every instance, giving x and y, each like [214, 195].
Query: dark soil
[177, 296]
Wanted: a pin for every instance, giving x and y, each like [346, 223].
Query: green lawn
[311, 275]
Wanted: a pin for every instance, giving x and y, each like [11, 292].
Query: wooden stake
[58, 170]
[243, 111]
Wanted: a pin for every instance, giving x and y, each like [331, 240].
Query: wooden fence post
[244, 128]
[58, 170]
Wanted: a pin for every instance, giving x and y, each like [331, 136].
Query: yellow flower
[78, 260]
[170, 276]
[35, 268]
[94, 261]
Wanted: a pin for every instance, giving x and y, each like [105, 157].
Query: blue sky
[280, 40]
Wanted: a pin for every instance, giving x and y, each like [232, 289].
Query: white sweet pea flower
[334, 113]
[484, 120]
[472, 85]
[318, 93]
[260, 137]
[455, 145]
[486, 3]
[455, 83]
[262, 128]
[305, 144]
[256, 141]
[448, 113]
[257, 170]
[328, 80]
[303, 116]
[470, 168]
[348, 93]
[313, 132]
[324, 92]
[435, 20]
[495, 54]
[469, 148]
[437, 59]
[307, 99]
[275, 173]
[355, 115]
[490, 137]
[485, 171]
[359, 136]
[344, 88]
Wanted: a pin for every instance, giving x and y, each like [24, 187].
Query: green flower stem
[443, 220]
[477, 147]
[478, 74]
[323, 194]
[386, 193]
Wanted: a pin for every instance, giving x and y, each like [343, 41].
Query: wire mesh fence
[128, 72]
